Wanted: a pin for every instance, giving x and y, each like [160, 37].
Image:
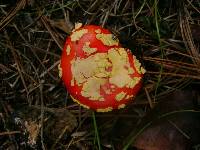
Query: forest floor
[36, 112]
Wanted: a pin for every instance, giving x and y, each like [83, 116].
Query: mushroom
[97, 71]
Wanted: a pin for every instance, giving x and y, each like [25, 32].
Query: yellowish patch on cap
[105, 109]
[120, 96]
[112, 86]
[72, 82]
[77, 101]
[102, 99]
[93, 72]
[78, 25]
[102, 75]
[107, 90]
[130, 70]
[83, 69]
[98, 31]
[138, 66]
[119, 75]
[107, 39]
[76, 35]
[91, 88]
[68, 49]
[133, 82]
[129, 96]
[59, 71]
[121, 106]
[143, 71]
[87, 49]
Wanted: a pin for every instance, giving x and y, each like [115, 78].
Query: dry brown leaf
[176, 132]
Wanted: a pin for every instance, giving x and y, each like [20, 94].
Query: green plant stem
[96, 130]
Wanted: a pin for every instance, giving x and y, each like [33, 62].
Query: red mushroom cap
[97, 72]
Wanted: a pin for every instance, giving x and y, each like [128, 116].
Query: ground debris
[164, 35]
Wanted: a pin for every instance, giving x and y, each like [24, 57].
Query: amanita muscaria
[98, 73]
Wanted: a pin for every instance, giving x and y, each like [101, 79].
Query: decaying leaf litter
[36, 111]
